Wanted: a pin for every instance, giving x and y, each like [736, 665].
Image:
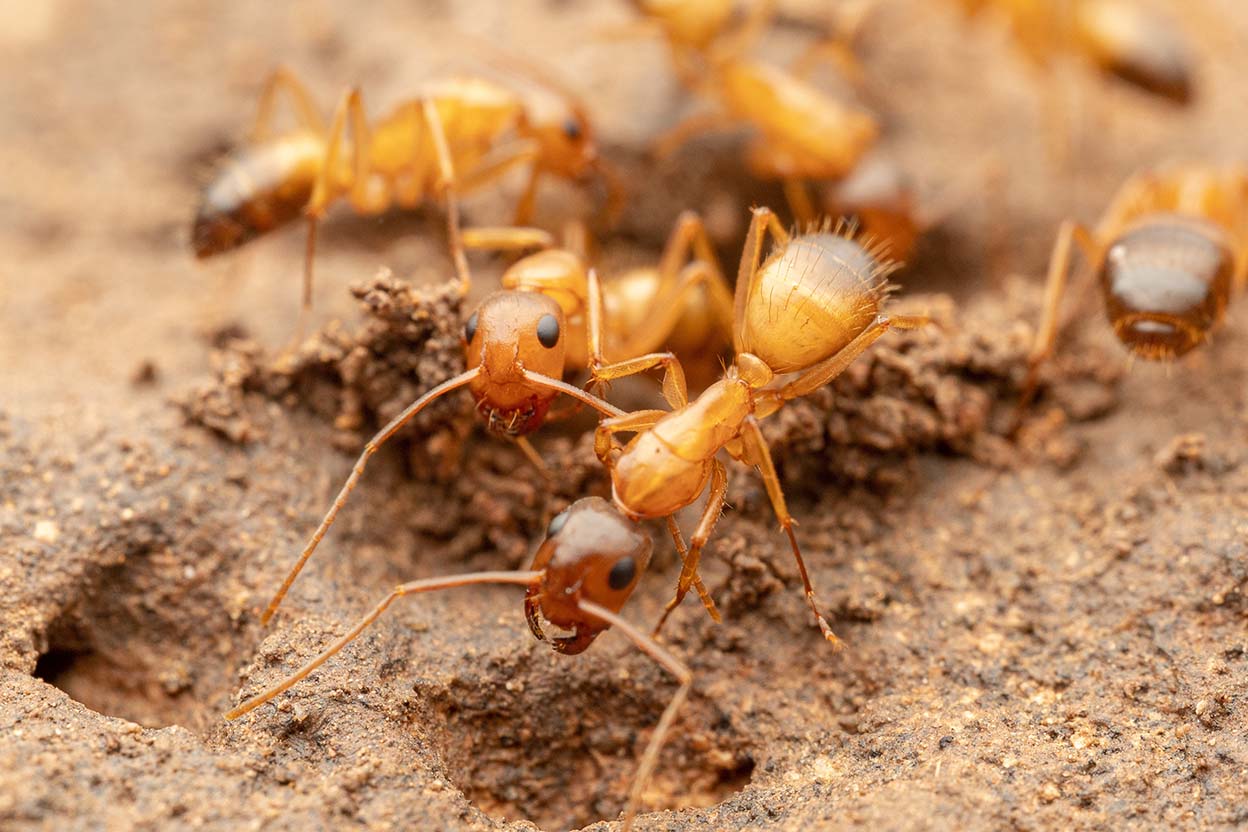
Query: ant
[801, 133]
[472, 125]
[517, 344]
[582, 575]
[1121, 38]
[684, 302]
[810, 308]
[1169, 254]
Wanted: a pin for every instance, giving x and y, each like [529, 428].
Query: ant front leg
[1055, 287]
[446, 174]
[634, 422]
[756, 452]
[283, 79]
[675, 390]
[762, 221]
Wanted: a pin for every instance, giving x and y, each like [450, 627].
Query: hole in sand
[560, 748]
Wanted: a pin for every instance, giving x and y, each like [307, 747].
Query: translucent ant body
[581, 577]
[1119, 37]
[1169, 255]
[810, 308]
[801, 133]
[462, 132]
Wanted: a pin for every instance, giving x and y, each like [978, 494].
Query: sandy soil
[1042, 634]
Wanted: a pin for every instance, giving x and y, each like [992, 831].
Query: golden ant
[581, 576]
[1121, 38]
[801, 133]
[1169, 254]
[810, 308]
[475, 126]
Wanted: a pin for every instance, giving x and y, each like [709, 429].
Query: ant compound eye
[470, 328]
[622, 574]
[556, 522]
[572, 129]
[548, 330]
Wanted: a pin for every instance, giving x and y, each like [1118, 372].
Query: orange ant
[1169, 254]
[1121, 38]
[472, 125]
[810, 308]
[801, 132]
[517, 343]
[580, 578]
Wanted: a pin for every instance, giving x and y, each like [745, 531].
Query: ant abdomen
[816, 294]
[259, 188]
[1167, 282]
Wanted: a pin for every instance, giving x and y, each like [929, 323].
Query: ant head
[591, 552]
[511, 334]
[565, 140]
[511, 331]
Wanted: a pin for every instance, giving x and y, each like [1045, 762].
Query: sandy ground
[1044, 634]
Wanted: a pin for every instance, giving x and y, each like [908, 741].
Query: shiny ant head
[1166, 284]
[511, 332]
[256, 189]
[591, 552]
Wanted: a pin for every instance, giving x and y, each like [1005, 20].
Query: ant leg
[703, 594]
[527, 203]
[426, 585]
[762, 221]
[283, 79]
[492, 169]
[804, 213]
[534, 457]
[634, 422]
[1055, 287]
[326, 189]
[446, 173]
[506, 239]
[820, 374]
[756, 451]
[675, 391]
[737, 43]
[650, 757]
[673, 138]
[371, 448]
[706, 525]
[678, 280]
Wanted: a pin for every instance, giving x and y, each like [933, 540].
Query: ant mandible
[580, 578]
[1169, 254]
[475, 126]
[810, 308]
